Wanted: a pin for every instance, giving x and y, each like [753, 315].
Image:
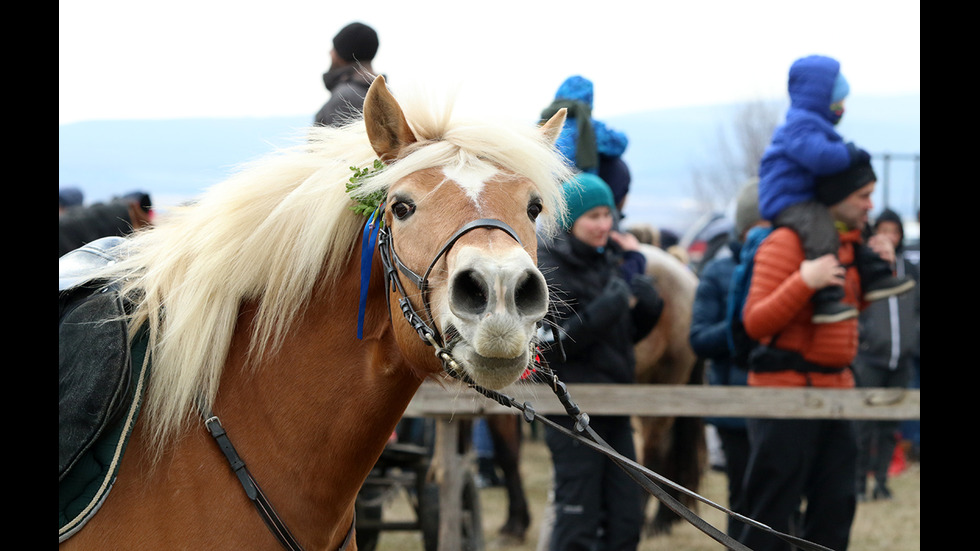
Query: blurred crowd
[79, 223]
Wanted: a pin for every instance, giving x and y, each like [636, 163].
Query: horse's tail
[687, 456]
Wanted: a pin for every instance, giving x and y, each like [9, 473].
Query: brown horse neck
[312, 420]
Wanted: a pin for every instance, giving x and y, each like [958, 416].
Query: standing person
[601, 316]
[709, 340]
[350, 74]
[889, 337]
[806, 146]
[815, 459]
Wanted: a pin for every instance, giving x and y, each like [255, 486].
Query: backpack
[739, 342]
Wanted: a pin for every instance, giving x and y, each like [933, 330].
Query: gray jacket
[347, 85]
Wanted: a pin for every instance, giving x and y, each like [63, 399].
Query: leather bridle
[427, 330]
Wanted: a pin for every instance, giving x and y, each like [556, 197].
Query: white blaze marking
[472, 178]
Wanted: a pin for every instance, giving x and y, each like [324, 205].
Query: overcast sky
[121, 59]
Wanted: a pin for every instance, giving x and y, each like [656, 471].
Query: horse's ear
[552, 128]
[387, 128]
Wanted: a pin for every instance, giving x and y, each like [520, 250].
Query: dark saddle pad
[94, 380]
[100, 384]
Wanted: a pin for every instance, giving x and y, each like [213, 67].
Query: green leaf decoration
[368, 204]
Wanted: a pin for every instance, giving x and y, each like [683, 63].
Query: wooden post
[450, 481]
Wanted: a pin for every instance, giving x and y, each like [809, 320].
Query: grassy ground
[880, 525]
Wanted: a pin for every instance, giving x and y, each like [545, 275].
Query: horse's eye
[534, 209]
[402, 209]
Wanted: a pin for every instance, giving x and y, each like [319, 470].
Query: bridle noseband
[427, 330]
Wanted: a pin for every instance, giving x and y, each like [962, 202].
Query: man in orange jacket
[815, 459]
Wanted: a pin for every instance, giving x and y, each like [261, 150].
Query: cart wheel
[471, 529]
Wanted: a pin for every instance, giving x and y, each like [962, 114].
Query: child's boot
[829, 308]
[877, 280]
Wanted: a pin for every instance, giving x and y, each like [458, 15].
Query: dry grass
[880, 525]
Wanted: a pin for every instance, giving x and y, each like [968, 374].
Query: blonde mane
[273, 230]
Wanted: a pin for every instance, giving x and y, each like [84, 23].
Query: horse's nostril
[531, 294]
[468, 293]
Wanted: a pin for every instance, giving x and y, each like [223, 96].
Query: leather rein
[646, 478]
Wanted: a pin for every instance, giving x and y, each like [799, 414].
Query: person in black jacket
[350, 74]
[601, 315]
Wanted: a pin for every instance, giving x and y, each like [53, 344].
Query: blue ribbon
[368, 243]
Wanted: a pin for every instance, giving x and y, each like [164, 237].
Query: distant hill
[174, 160]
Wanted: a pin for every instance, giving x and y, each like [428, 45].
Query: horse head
[463, 235]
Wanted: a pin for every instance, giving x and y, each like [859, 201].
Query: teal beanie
[582, 194]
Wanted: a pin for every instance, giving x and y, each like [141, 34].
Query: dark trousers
[735, 444]
[877, 438]
[793, 459]
[597, 505]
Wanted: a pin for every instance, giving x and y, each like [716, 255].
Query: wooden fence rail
[450, 402]
[433, 400]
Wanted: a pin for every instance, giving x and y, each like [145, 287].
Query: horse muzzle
[496, 303]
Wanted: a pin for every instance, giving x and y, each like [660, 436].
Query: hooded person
[350, 74]
[583, 139]
[599, 318]
[886, 358]
[804, 148]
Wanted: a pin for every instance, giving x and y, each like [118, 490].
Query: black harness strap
[254, 492]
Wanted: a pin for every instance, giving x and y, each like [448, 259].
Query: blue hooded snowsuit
[806, 145]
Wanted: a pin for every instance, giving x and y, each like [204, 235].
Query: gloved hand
[858, 155]
[600, 312]
[616, 294]
[643, 287]
[649, 306]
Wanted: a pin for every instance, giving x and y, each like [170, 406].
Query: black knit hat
[356, 42]
[835, 188]
[616, 174]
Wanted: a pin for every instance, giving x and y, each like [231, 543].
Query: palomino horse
[251, 299]
[671, 446]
